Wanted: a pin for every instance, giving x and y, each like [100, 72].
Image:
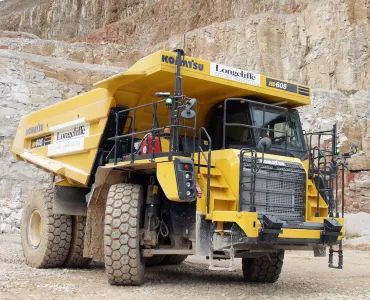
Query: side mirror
[190, 103]
[188, 113]
[264, 144]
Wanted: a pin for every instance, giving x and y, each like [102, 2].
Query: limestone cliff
[324, 44]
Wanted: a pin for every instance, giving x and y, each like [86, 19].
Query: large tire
[45, 237]
[124, 264]
[154, 260]
[266, 268]
[173, 259]
[75, 257]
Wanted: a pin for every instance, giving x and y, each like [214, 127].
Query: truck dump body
[80, 121]
[208, 82]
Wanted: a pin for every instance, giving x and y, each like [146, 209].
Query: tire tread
[264, 269]
[75, 257]
[123, 262]
[55, 242]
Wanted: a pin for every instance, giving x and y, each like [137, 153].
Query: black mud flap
[331, 232]
[271, 228]
[70, 201]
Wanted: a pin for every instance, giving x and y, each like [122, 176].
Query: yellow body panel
[89, 110]
[167, 179]
[67, 183]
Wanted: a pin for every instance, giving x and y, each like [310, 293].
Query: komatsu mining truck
[179, 156]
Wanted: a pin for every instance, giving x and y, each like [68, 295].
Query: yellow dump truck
[179, 156]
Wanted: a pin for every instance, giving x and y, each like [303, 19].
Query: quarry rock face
[30, 82]
[53, 50]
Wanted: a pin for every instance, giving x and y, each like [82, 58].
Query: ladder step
[313, 204]
[219, 186]
[217, 182]
[224, 199]
[215, 268]
[214, 172]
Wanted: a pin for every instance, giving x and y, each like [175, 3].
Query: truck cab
[282, 126]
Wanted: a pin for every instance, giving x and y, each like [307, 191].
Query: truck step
[224, 199]
[219, 186]
[313, 203]
[218, 182]
[214, 171]
[215, 268]
[310, 183]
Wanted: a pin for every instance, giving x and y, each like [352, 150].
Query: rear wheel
[173, 259]
[45, 237]
[124, 264]
[266, 268]
[75, 257]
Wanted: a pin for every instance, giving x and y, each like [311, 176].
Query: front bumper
[253, 230]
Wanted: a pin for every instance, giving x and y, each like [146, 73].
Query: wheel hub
[35, 229]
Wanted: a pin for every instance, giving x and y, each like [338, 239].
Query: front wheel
[124, 264]
[266, 268]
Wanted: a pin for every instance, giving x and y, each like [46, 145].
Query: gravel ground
[303, 277]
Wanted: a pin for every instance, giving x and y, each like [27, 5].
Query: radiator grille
[280, 189]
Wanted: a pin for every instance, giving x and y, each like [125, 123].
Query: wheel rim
[35, 229]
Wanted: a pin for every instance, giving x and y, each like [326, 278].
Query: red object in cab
[146, 146]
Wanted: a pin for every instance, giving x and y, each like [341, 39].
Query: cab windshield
[282, 127]
[247, 123]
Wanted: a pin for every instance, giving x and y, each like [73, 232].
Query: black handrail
[254, 171]
[319, 175]
[120, 137]
[155, 129]
[325, 165]
[332, 153]
[208, 161]
[115, 139]
[343, 167]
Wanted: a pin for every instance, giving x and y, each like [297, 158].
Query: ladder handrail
[208, 161]
[325, 165]
[254, 171]
[154, 130]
